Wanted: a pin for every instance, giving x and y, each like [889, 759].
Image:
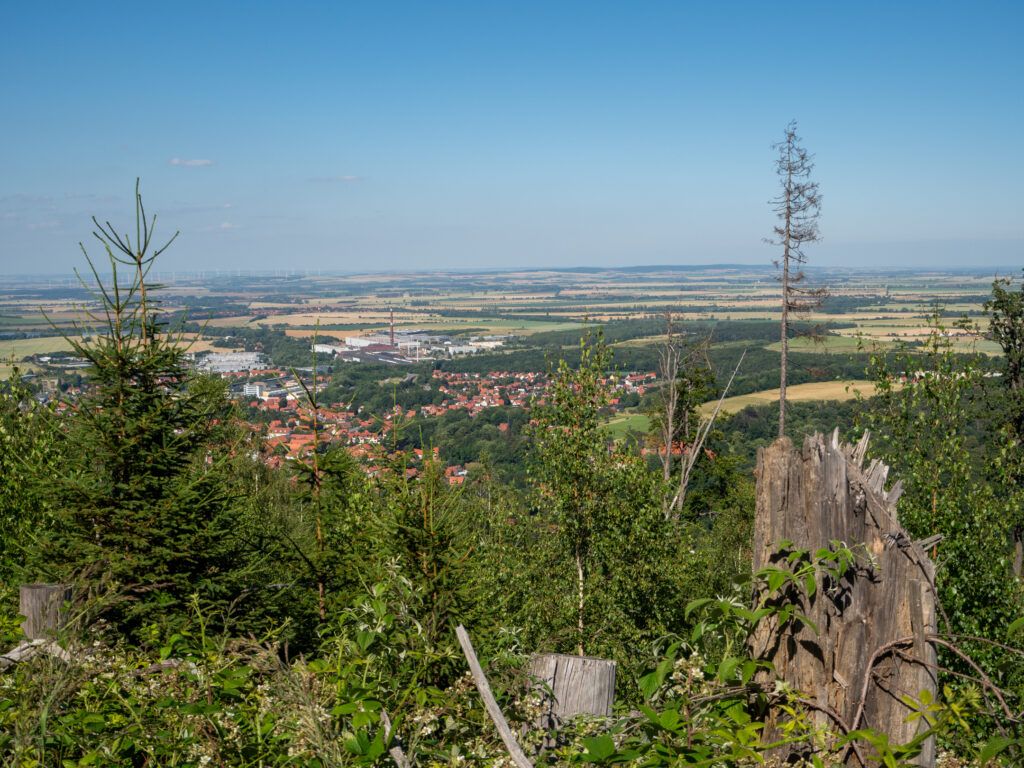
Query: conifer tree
[143, 502]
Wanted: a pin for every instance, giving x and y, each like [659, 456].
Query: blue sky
[355, 136]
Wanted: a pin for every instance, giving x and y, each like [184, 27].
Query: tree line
[225, 612]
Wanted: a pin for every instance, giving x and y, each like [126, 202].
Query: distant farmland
[818, 390]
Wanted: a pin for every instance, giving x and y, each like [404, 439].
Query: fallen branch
[514, 750]
[30, 649]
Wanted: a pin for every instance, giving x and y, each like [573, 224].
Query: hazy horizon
[407, 137]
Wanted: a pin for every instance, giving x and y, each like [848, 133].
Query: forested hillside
[230, 610]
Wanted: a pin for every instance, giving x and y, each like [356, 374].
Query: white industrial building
[231, 362]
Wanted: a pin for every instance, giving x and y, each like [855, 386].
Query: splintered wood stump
[42, 605]
[579, 685]
[872, 644]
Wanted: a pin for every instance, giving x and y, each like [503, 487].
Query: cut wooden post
[871, 646]
[573, 685]
[42, 605]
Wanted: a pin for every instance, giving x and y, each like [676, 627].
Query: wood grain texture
[871, 646]
[573, 685]
[42, 605]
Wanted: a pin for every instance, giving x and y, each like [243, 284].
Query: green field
[619, 426]
[832, 344]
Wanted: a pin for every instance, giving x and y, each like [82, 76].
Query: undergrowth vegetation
[229, 614]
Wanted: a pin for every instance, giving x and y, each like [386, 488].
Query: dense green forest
[228, 613]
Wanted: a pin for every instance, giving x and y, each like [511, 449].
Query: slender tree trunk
[667, 430]
[1018, 551]
[784, 330]
[669, 372]
[579, 599]
[784, 361]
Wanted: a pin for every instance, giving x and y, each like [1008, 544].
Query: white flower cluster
[687, 678]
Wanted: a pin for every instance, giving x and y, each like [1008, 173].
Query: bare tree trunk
[784, 356]
[669, 374]
[1018, 551]
[784, 324]
[580, 585]
[873, 646]
[669, 365]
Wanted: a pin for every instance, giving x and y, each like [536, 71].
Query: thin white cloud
[224, 226]
[182, 209]
[193, 163]
[45, 224]
[336, 179]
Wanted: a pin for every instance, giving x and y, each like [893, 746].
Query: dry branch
[514, 750]
[31, 649]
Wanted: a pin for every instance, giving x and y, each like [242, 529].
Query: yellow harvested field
[195, 343]
[16, 349]
[6, 369]
[823, 390]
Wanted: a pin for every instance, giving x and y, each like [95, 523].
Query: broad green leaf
[599, 748]
[993, 747]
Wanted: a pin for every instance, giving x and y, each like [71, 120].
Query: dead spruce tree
[797, 207]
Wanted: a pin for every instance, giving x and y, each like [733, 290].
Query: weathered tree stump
[573, 685]
[874, 625]
[42, 605]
